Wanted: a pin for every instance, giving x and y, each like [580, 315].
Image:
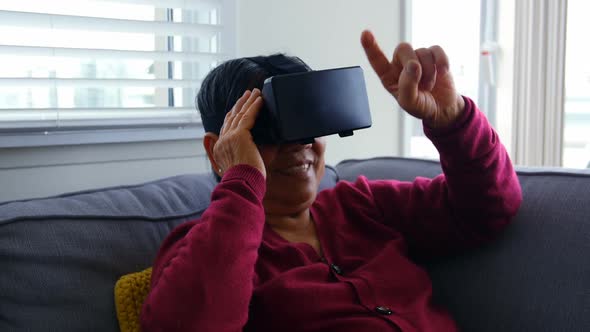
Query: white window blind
[91, 65]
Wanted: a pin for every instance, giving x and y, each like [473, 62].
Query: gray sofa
[60, 257]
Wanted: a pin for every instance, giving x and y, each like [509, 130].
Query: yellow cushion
[130, 293]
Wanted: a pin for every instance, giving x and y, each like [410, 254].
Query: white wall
[326, 34]
[46, 171]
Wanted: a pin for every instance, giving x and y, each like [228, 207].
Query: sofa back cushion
[536, 277]
[62, 256]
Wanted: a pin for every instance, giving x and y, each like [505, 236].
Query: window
[70, 67]
[533, 78]
[576, 133]
[470, 41]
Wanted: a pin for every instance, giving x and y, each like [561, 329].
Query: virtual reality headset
[302, 106]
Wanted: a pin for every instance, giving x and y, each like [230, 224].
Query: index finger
[375, 55]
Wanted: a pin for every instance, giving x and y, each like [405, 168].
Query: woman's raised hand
[419, 80]
[235, 144]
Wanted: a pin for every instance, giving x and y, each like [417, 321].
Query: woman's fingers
[375, 55]
[440, 59]
[248, 106]
[255, 93]
[388, 71]
[428, 78]
[420, 79]
[243, 99]
[409, 76]
[404, 53]
[248, 120]
[408, 91]
[235, 144]
[231, 115]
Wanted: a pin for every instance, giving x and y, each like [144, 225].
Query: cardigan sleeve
[203, 275]
[468, 205]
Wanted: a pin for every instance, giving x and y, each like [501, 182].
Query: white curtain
[539, 64]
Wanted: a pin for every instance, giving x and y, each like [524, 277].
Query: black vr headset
[302, 106]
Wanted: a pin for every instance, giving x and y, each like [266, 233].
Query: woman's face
[293, 174]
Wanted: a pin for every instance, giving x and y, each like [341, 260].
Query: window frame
[536, 126]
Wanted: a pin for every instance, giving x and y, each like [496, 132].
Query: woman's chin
[293, 194]
[291, 205]
[292, 188]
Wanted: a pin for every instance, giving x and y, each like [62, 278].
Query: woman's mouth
[300, 170]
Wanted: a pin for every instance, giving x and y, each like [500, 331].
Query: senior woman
[271, 254]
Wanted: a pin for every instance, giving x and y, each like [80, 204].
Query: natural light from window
[460, 38]
[576, 140]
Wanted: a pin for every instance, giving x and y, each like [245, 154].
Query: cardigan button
[383, 310]
[336, 269]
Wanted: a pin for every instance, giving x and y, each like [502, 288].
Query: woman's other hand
[419, 80]
[235, 144]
